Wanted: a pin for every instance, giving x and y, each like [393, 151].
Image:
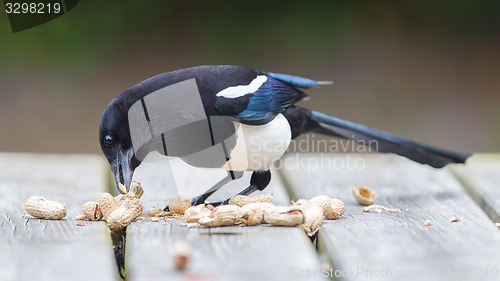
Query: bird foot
[200, 200]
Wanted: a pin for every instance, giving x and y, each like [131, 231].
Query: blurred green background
[427, 70]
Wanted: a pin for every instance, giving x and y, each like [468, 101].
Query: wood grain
[224, 253]
[38, 249]
[397, 246]
[481, 177]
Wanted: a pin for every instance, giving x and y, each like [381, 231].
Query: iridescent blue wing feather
[261, 106]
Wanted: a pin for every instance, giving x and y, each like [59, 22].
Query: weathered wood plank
[397, 246]
[481, 177]
[225, 253]
[36, 249]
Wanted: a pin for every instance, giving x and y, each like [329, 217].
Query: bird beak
[122, 170]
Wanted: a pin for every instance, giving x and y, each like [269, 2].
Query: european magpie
[233, 118]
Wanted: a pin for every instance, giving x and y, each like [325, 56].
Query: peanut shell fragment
[179, 205]
[378, 208]
[135, 190]
[364, 195]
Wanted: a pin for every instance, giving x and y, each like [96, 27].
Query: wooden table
[358, 246]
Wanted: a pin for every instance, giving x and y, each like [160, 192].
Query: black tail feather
[385, 142]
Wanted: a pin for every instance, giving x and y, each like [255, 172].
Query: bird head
[116, 144]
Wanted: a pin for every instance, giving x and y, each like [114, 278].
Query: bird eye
[108, 140]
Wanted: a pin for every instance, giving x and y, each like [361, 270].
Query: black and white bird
[233, 118]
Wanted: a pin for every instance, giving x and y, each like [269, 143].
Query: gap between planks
[224, 253]
[398, 246]
[481, 179]
[38, 249]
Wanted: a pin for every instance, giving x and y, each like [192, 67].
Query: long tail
[386, 142]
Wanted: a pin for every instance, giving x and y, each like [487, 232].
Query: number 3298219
[32, 8]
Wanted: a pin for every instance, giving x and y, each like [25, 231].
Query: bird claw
[199, 200]
[215, 204]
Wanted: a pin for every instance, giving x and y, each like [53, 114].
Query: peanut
[284, 216]
[180, 254]
[313, 218]
[364, 195]
[179, 205]
[253, 213]
[107, 204]
[336, 209]
[91, 211]
[220, 216]
[121, 198]
[332, 208]
[300, 202]
[123, 215]
[194, 213]
[241, 200]
[43, 208]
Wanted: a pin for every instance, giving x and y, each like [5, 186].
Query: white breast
[258, 147]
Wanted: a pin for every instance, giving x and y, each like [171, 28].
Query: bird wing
[258, 102]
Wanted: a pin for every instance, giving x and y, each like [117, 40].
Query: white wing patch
[239, 91]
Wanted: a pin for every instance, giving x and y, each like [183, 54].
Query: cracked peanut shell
[253, 213]
[313, 218]
[364, 195]
[91, 211]
[194, 213]
[221, 216]
[332, 208]
[179, 205]
[284, 216]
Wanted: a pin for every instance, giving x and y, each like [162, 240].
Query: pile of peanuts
[121, 210]
[254, 210]
[118, 211]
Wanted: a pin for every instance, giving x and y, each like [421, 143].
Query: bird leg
[231, 175]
